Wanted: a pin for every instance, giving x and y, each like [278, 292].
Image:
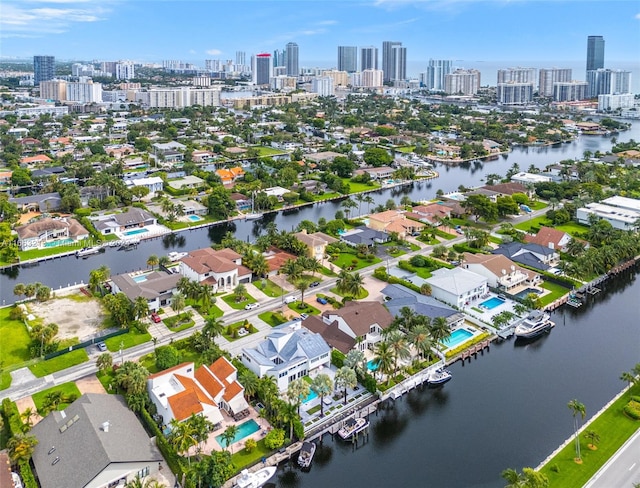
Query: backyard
[69, 392]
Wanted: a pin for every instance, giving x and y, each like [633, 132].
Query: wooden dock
[474, 350]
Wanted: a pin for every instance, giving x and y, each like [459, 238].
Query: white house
[49, 232]
[457, 286]
[153, 183]
[621, 212]
[221, 269]
[362, 321]
[157, 287]
[500, 271]
[288, 352]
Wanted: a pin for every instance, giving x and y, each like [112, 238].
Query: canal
[69, 270]
[507, 408]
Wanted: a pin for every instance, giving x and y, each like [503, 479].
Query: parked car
[322, 300]
[289, 299]
[251, 306]
[156, 318]
[314, 284]
[304, 316]
[102, 347]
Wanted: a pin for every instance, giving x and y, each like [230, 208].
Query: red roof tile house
[221, 269]
[395, 221]
[431, 213]
[549, 237]
[183, 390]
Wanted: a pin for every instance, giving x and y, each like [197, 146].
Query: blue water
[134, 232]
[140, 279]
[523, 294]
[59, 242]
[194, 218]
[457, 337]
[244, 430]
[312, 395]
[492, 303]
[372, 366]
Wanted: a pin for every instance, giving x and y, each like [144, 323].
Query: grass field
[271, 318]
[359, 187]
[231, 301]
[556, 292]
[69, 390]
[15, 340]
[243, 458]
[270, 288]
[130, 339]
[614, 428]
[268, 151]
[5, 380]
[50, 366]
[364, 294]
[346, 260]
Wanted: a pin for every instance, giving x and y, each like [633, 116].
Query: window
[143, 472]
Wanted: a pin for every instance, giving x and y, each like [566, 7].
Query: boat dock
[477, 348]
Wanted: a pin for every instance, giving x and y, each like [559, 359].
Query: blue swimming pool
[194, 218]
[311, 396]
[244, 430]
[457, 337]
[492, 303]
[59, 242]
[523, 294]
[135, 231]
[372, 366]
[140, 279]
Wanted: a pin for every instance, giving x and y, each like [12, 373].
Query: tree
[529, 478]
[297, 391]
[384, 360]
[140, 307]
[213, 327]
[240, 292]
[322, 386]
[21, 447]
[398, 345]
[593, 438]
[104, 362]
[345, 378]
[376, 156]
[439, 329]
[27, 418]
[229, 435]
[167, 357]
[577, 408]
[177, 302]
[348, 204]
[152, 261]
[421, 339]
[132, 378]
[357, 361]
[302, 286]
[182, 437]
[629, 378]
[288, 413]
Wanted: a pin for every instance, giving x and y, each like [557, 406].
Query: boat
[128, 244]
[253, 215]
[174, 255]
[307, 451]
[255, 480]
[352, 427]
[534, 325]
[438, 377]
[87, 251]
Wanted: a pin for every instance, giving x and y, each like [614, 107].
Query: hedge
[28, 480]
[632, 409]
[169, 453]
[337, 358]
[15, 425]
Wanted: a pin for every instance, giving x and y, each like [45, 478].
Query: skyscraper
[241, 58]
[549, 76]
[398, 63]
[44, 68]
[368, 58]
[435, 73]
[388, 59]
[279, 58]
[291, 51]
[348, 59]
[262, 68]
[595, 52]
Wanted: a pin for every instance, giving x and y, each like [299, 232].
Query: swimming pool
[311, 396]
[140, 279]
[492, 303]
[244, 430]
[524, 293]
[194, 218]
[372, 366]
[59, 242]
[135, 231]
[457, 337]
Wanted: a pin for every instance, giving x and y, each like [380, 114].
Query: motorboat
[439, 377]
[255, 480]
[352, 427]
[174, 255]
[306, 454]
[252, 216]
[87, 251]
[534, 325]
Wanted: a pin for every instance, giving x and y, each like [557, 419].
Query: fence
[86, 343]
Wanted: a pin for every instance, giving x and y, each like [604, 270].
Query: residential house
[318, 157]
[46, 173]
[48, 232]
[186, 183]
[529, 254]
[491, 195]
[364, 236]
[289, 352]
[96, 442]
[157, 287]
[549, 237]
[31, 161]
[242, 201]
[185, 390]
[311, 186]
[276, 258]
[153, 183]
[221, 269]
[228, 176]
[432, 213]
[379, 173]
[134, 218]
[333, 336]
[621, 212]
[500, 271]
[5, 177]
[457, 287]
[397, 297]
[316, 243]
[192, 207]
[395, 221]
[508, 189]
[44, 202]
[167, 147]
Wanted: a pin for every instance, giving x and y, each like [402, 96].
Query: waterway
[507, 408]
[69, 270]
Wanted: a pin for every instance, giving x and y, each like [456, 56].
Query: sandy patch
[27, 402]
[74, 319]
[90, 384]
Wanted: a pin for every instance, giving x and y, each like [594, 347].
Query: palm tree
[229, 434]
[132, 377]
[398, 345]
[345, 378]
[384, 360]
[213, 327]
[201, 428]
[152, 261]
[513, 478]
[177, 302]
[21, 447]
[268, 392]
[439, 329]
[164, 261]
[357, 361]
[593, 438]
[249, 380]
[297, 391]
[289, 414]
[348, 204]
[27, 418]
[140, 307]
[182, 438]
[529, 478]
[420, 337]
[104, 362]
[240, 292]
[629, 378]
[369, 201]
[322, 386]
[577, 408]
[302, 286]
[359, 198]
[292, 269]
[207, 297]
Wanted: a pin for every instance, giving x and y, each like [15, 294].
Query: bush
[555, 468]
[12, 416]
[418, 261]
[167, 357]
[369, 382]
[337, 358]
[169, 453]
[250, 445]
[274, 439]
[381, 273]
[632, 409]
[28, 480]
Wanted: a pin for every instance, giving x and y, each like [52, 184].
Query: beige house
[361, 321]
[49, 232]
[395, 221]
[500, 271]
[316, 243]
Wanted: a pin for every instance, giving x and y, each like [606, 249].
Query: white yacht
[353, 426]
[174, 255]
[307, 451]
[533, 325]
[87, 251]
[255, 480]
[438, 377]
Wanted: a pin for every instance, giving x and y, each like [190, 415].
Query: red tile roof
[184, 404]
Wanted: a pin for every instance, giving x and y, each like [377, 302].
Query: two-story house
[500, 271]
[395, 221]
[221, 269]
[157, 287]
[532, 255]
[316, 243]
[457, 286]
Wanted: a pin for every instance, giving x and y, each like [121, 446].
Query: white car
[251, 306]
[289, 299]
[17, 482]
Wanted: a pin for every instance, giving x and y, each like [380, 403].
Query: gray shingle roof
[420, 304]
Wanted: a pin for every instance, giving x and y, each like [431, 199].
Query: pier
[474, 350]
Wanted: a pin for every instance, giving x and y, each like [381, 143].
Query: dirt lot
[81, 319]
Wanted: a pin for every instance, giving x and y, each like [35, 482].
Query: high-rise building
[372, 78]
[262, 68]
[291, 51]
[398, 63]
[55, 90]
[569, 91]
[433, 77]
[615, 102]
[517, 75]
[608, 82]
[44, 69]
[323, 86]
[241, 58]
[514, 93]
[125, 70]
[549, 76]
[348, 58]
[389, 59]
[279, 58]
[340, 78]
[84, 92]
[368, 58]
[595, 52]
[462, 81]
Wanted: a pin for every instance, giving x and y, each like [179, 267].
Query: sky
[466, 31]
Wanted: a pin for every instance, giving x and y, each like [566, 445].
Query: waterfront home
[508, 189]
[379, 173]
[126, 223]
[395, 221]
[529, 178]
[397, 297]
[318, 157]
[44, 202]
[187, 182]
[432, 213]
[153, 183]
[335, 337]
[457, 286]
[31, 161]
[49, 232]
[276, 258]
[529, 254]
[221, 269]
[97, 441]
[500, 271]
[228, 176]
[185, 390]
[549, 237]
[157, 287]
[364, 236]
[621, 212]
[316, 243]
[288, 352]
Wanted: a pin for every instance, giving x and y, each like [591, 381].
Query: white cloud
[213, 52]
[638, 16]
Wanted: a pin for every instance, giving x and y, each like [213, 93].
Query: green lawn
[179, 322]
[48, 251]
[272, 318]
[346, 260]
[614, 429]
[363, 294]
[533, 222]
[231, 301]
[573, 228]
[445, 235]
[69, 390]
[15, 340]
[308, 309]
[423, 273]
[268, 151]
[359, 187]
[5, 380]
[406, 149]
[242, 458]
[230, 331]
[270, 288]
[537, 205]
[108, 381]
[556, 290]
[130, 339]
[50, 366]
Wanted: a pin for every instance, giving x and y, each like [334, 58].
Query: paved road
[622, 470]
